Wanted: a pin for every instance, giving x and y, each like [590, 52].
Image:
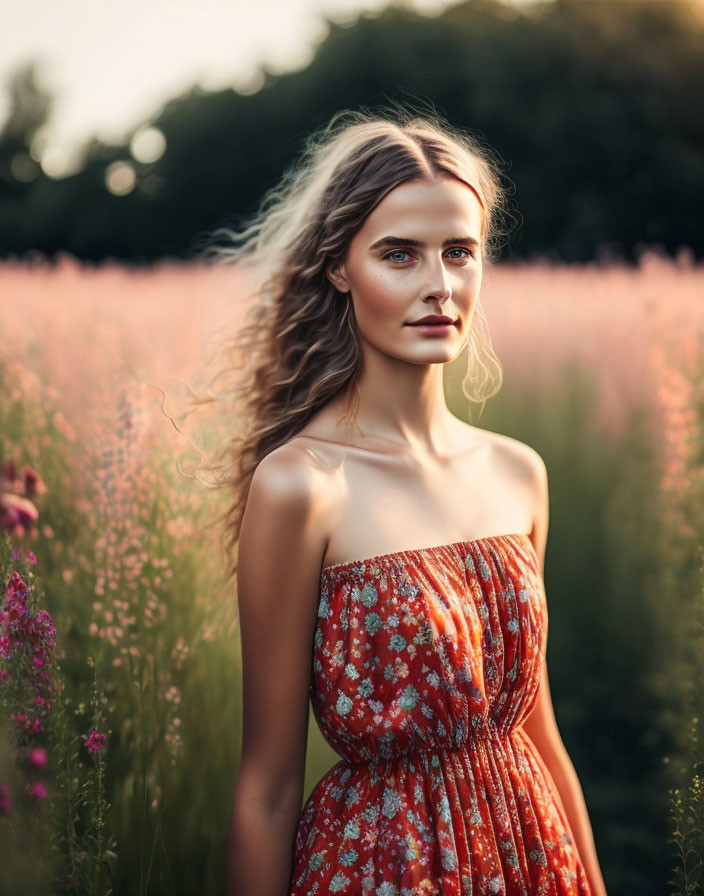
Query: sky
[111, 66]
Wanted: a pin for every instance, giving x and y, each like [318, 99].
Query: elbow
[261, 790]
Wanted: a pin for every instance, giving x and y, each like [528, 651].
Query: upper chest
[377, 504]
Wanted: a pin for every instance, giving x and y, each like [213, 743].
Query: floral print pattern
[425, 663]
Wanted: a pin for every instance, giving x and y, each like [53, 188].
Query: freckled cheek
[380, 297]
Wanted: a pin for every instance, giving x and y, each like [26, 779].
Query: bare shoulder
[522, 458]
[284, 474]
[522, 465]
[527, 465]
[289, 496]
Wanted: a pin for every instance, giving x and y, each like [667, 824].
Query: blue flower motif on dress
[387, 889]
[484, 570]
[365, 688]
[409, 698]
[344, 704]
[433, 679]
[392, 802]
[339, 883]
[352, 829]
[368, 596]
[444, 809]
[424, 635]
[369, 813]
[351, 671]
[469, 563]
[315, 861]
[397, 642]
[372, 623]
[448, 859]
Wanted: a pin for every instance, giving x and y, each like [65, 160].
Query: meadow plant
[681, 404]
[135, 589]
[61, 802]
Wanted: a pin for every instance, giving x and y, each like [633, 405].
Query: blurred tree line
[592, 107]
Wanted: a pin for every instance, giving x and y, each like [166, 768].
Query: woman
[390, 556]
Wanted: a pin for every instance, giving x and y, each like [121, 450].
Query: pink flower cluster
[94, 741]
[26, 644]
[17, 510]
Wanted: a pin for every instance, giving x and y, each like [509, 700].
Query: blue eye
[396, 252]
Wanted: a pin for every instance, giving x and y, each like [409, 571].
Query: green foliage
[687, 815]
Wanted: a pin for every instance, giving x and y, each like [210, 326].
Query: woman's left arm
[541, 725]
[541, 728]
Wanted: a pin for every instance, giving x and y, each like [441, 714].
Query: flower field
[119, 648]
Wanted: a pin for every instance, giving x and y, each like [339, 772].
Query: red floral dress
[425, 663]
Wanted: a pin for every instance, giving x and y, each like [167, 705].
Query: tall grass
[600, 377]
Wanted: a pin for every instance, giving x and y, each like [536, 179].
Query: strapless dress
[425, 663]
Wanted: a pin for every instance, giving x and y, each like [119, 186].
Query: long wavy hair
[299, 345]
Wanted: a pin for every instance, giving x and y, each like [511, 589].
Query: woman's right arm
[280, 551]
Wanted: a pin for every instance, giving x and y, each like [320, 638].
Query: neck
[404, 404]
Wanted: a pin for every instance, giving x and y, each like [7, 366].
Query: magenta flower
[30, 555]
[38, 789]
[16, 513]
[37, 757]
[5, 803]
[95, 741]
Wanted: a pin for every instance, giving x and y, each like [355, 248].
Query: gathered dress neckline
[405, 552]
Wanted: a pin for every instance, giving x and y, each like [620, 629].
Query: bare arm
[541, 725]
[277, 593]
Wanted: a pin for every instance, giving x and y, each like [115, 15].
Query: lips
[433, 319]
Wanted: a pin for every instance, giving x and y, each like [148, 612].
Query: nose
[439, 287]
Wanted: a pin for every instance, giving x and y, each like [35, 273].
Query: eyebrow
[402, 241]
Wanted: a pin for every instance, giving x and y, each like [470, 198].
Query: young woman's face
[417, 254]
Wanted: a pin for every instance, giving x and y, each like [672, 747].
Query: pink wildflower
[16, 513]
[95, 741]
[5, 804]
[16, 586]
[33, 483]
[38, 789]
[37, 757]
